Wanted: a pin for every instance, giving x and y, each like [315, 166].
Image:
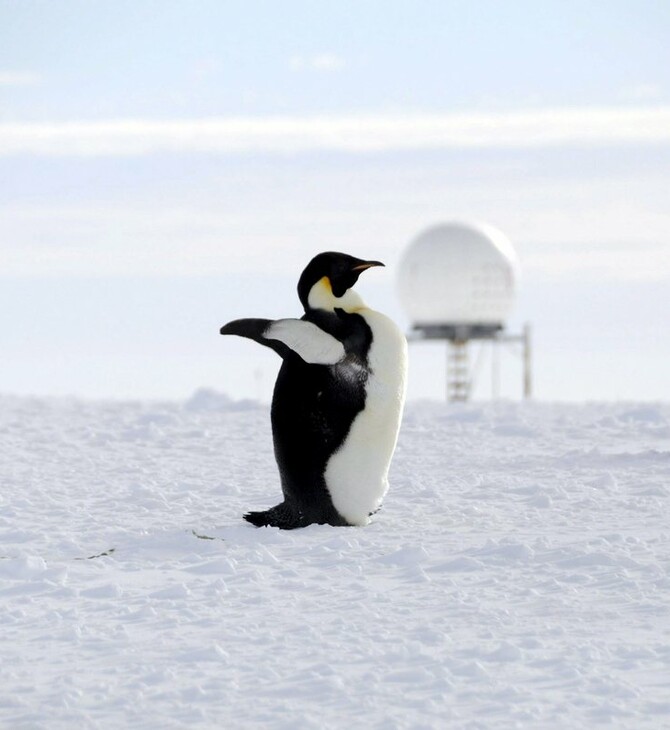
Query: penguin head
[327, 281]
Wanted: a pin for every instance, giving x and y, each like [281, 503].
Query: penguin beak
[366, 265]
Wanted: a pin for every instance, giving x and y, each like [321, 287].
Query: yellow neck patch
[321, 297]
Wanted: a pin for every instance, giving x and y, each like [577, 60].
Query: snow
[517, 576]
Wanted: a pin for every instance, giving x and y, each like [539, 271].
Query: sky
[168, 166]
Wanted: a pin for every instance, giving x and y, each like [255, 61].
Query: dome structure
[459, 276]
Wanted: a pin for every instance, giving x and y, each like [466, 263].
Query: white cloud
[610, 263]
[643, 93]
[205, 67]
[327, 62]
[19, 78]
[318, 62]
[364, 133]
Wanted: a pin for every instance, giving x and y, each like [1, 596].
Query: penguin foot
[282, 516]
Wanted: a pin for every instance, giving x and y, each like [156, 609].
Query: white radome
[458, 274]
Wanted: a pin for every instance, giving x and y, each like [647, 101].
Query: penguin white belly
[357, 473]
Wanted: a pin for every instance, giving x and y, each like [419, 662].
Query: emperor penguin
[338, 398]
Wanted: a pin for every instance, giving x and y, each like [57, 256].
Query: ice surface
[517, 576]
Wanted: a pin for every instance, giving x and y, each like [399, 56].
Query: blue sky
[97, 59]
[168, 166]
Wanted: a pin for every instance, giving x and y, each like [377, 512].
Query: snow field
[517, 576]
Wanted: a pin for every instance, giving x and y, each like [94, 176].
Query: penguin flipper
[284, 336]
[282, 516]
